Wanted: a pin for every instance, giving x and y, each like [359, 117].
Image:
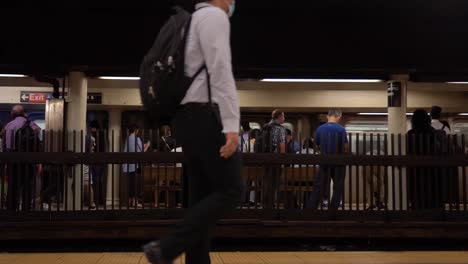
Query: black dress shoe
[153, 253]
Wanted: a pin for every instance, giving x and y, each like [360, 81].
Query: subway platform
[418, 257]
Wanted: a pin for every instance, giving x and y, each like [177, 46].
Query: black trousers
[271, 186]
[337, 174]
[134, 185]
[20, 178]
[214, 183]
[99, 183]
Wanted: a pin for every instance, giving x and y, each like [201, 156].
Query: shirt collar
[201, 5]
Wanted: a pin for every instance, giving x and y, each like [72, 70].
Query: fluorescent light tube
[13, 75]
[119, 78]
[379, 114]
[325, 80]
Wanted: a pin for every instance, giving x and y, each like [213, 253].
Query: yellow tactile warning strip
[250, 258]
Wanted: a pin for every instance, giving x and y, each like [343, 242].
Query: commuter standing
[292, 145]
[450, 146]
[273, 139]
[207, 127]
[97, 171]
[244, 138]
[331, 138]
[20, 135]
[436, 123]
[424, 188]
[133, 171]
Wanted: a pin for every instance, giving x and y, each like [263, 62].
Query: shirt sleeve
[282, 136]
[34, 126]
[214, 34]
[318, 137]
[139, 145]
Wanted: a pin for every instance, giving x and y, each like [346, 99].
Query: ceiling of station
[293, 39]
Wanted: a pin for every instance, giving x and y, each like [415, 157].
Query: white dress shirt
[437, 125]
[209, 43]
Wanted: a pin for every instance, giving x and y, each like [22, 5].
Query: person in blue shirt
[292, 145]
[331, 138]
[132, 171]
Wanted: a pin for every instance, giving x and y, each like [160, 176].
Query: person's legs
[317, 191]
[380, 186]
[198, 190]
[138, 188]
[204, 215]
[271, 186]
[222, 175]
[98, 183]
[338, 186]
[12, 193]
[131, 188]
[268, 190]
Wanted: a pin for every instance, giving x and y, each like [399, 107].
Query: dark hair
[436, 112]
[288, 132]
[420, 119]
[276, 114]
[245, 126]
[254, 133]
[308, 143]
[94, 124]
[17, 111]
[132, 128]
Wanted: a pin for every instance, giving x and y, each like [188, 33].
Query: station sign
[34, 97]
[94, 98]
[394, 93]
[41, 97]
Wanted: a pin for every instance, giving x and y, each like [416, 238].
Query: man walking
[212, 159]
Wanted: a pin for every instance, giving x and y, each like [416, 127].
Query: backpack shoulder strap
[26, 124]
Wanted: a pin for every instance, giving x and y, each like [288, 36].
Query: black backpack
[163, 83]
[264, 141]
[26, 139]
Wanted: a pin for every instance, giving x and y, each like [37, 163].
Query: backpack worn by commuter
[264, 141]
[163, 83]
[26, 139]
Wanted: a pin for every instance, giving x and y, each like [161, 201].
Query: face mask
[232, 8]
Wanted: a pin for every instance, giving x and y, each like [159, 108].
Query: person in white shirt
[436, 113]
[244, 139]
[208, 131]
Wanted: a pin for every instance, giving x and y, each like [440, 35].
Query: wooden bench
[159, 179]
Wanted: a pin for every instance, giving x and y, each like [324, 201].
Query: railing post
[113, 171]
[76, 120]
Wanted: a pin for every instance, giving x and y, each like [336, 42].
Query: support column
[76, 127]
[113, 171]
[397, 109]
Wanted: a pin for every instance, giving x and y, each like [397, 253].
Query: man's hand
[232, 141]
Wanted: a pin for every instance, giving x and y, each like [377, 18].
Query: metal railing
[114, 171]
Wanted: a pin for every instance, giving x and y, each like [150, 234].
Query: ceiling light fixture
[13, 75]
[324, 80]
[379, 114]
[119, 78]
